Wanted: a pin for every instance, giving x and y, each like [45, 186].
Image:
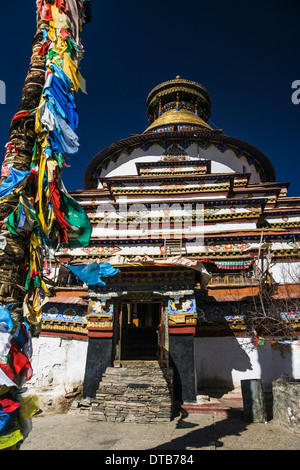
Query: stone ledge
[286, 402]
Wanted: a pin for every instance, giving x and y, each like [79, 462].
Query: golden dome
[178, 101]
[182, 116]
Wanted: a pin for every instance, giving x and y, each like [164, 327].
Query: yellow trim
[183, 116]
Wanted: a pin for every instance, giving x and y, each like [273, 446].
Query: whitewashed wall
[58, 367]
[59, 364]
[224, 362]
[286, 272]
[222, 162]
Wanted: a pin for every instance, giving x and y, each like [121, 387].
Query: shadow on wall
[276, 361]
[223, 359]
[222, 362]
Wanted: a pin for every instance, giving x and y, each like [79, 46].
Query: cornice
[103, 157]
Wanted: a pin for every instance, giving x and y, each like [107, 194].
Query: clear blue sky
[246, 53]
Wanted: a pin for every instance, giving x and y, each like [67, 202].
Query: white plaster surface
[58, 365]
[286, 272]
[222, 162]
[224, 362]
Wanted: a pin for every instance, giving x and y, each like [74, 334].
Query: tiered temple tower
[191, 217]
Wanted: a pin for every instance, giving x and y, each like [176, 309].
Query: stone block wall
[286, 402]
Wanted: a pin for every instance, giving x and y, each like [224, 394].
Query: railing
[231, 279]
[69, 280]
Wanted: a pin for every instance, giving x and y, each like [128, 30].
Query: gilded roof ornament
[179, 94]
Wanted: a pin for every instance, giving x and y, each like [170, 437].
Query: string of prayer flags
[16, 410]
[44, 212]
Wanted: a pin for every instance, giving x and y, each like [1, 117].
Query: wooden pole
[19, 155]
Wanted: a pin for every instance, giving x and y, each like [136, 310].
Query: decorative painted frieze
[172, 170]
[71, 324]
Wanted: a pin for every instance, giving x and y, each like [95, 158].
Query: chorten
[186, 213]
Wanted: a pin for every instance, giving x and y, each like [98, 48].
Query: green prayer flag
[10, 223]
[27, 282]
[76, 216]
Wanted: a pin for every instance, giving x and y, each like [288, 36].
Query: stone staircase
[134, 391]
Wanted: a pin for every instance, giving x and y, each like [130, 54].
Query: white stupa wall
[221, 162]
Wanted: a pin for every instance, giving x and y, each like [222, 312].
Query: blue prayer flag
[5, 318]
[91, 273]
[13, 181]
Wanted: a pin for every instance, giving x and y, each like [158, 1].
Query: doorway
[140, 330]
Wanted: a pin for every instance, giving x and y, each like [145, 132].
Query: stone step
[158, 380]
[141, 404]
[122, 372]
[142, 397]
[147, 364]
[128, 381]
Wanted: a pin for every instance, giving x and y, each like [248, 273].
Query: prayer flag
[91, 273]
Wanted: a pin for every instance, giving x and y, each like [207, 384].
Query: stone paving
[190, 433]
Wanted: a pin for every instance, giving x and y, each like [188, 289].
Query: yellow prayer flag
[60, 19]
[61, 46]
[82, 83]
[52, 32]
[29, 407]
[70, 69]
[12, 438]
[40, 193]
